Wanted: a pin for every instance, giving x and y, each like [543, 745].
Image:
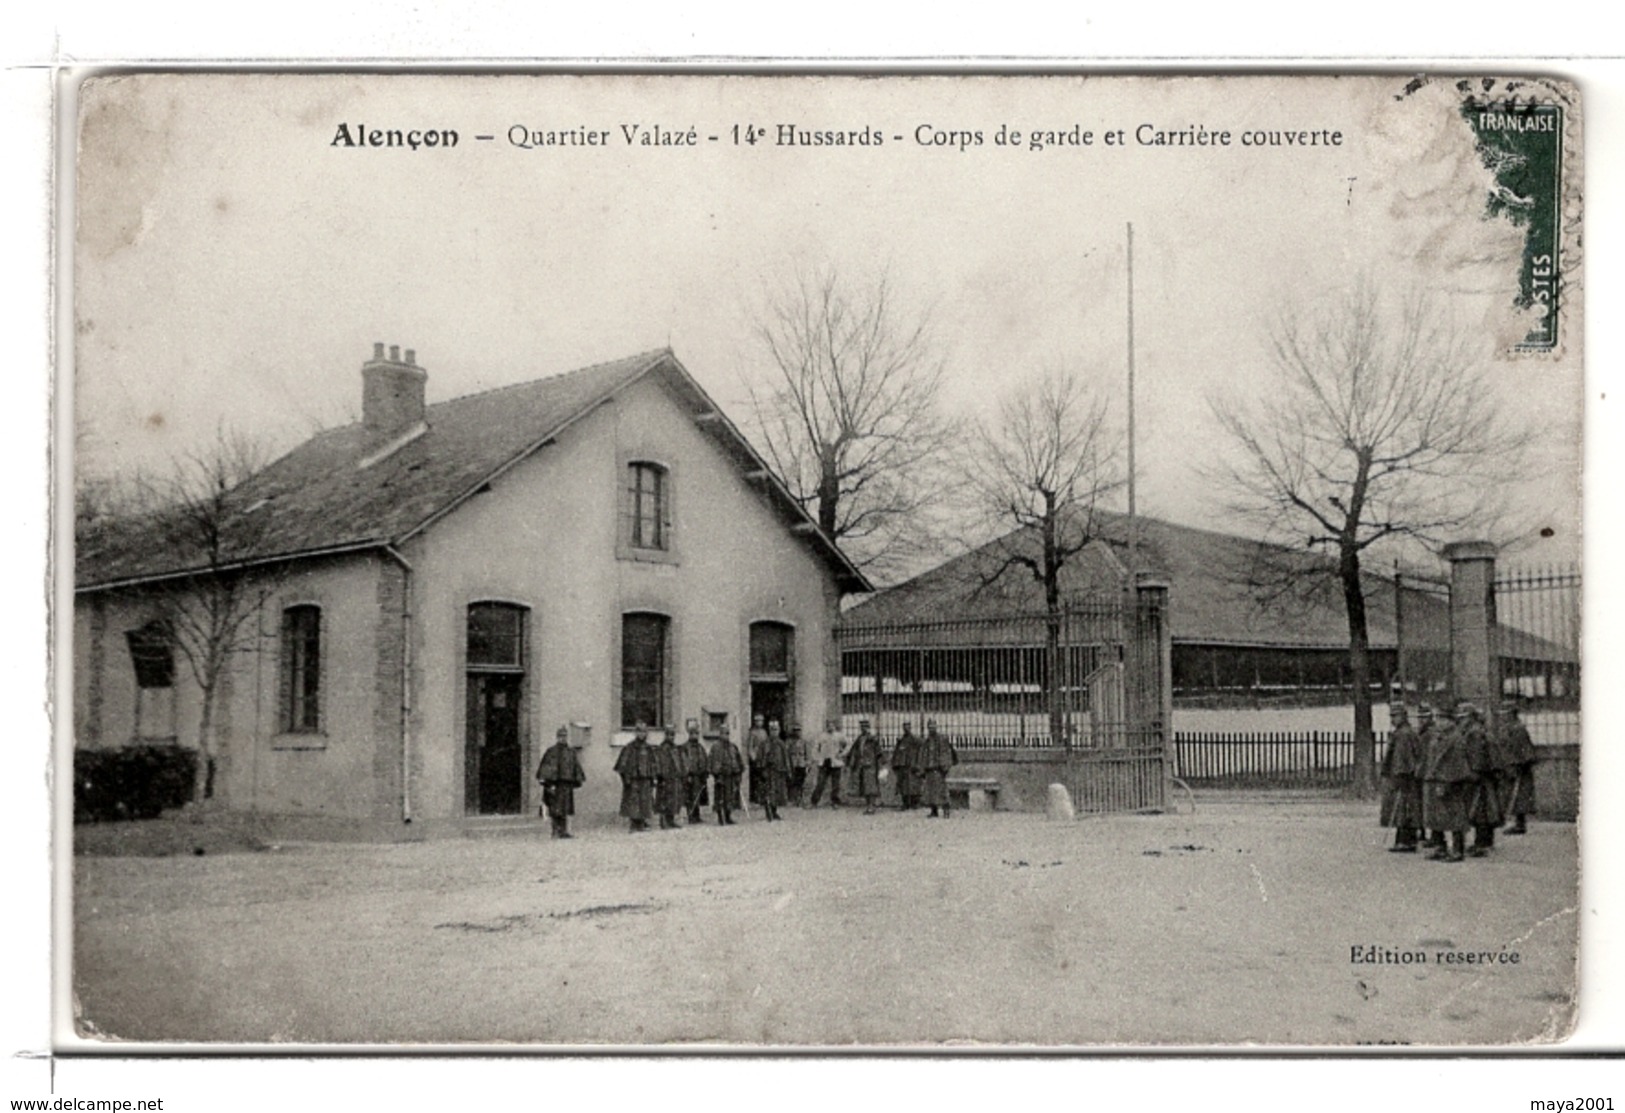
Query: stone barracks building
[440, 586]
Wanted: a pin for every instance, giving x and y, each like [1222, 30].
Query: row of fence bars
[1268, 757]
[996, 682]
[1537, 645]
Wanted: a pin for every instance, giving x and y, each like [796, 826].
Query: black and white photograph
[823, 562]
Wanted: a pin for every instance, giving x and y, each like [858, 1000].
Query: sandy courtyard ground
[1231, 925]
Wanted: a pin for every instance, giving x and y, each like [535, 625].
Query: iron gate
[1085, 686]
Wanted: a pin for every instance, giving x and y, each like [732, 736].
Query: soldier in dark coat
[903, 758]
[1484, 801]
[863, 767]
[671, 780]
[636, 766]
[1426, 725]
[1447, 789]
[726, 764]
[775, 769]
[1402, 783]
[934, 757]
[755, 747]
[698, 763]
[560, 774]
[1519, 753]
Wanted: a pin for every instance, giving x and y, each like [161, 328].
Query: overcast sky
[234, 266]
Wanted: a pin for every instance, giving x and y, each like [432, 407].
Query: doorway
[494, 750]
[773, 672]
[494, 744]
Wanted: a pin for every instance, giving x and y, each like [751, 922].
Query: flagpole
[1133, 522]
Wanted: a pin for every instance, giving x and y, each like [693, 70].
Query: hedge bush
[136, 782]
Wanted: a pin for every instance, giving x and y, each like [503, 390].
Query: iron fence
[1310, 759]
[1537, 645]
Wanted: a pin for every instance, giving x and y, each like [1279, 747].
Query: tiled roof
[1211, 577]
[318, 498]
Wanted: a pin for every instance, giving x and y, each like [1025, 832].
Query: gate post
[1475, 673]
[1153, 684]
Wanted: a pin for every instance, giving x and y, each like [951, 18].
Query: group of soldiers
[1452, 772]
[675, 779]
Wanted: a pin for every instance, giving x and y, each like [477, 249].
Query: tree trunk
[203, 780]
[829, 493]
[1052, 630]
[1365, 746]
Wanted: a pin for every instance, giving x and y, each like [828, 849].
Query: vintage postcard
[824, 561]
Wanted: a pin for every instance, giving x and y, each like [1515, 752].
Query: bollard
[1060, 803]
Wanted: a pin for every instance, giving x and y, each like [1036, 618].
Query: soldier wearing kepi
[636, 766]
[560, 773]
[726, 764]
[904, 757]
[797, 746]
[671, 780]
[863, 767]
[1484, 803]
[934, 757]
[775, 770]
[1426, 726]
[755, 747]
[1519, 752]
[1447, 790]
[1402, 783]
[698, 763]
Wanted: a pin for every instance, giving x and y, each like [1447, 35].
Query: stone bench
[974, 793]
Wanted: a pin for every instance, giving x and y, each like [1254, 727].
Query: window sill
[625, 551]
[315, 740]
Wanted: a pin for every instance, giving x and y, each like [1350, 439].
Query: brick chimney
[391, 392]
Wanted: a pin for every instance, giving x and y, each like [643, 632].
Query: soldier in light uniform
[560, 773]
[829, 755]
[797, 747]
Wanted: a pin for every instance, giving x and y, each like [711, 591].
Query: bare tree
[849, 417]
[209, 607]
[1376, 426]
[1036, 473]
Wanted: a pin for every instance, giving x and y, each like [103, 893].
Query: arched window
[645, 670]
[496, 637]
[773, 671]
[301, 689]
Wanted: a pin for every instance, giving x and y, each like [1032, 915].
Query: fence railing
[1537, 645]
[1267, 759]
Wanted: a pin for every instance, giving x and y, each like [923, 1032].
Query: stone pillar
[1474, 670]
[1153, 686]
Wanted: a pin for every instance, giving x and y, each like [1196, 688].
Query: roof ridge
[640, 359]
